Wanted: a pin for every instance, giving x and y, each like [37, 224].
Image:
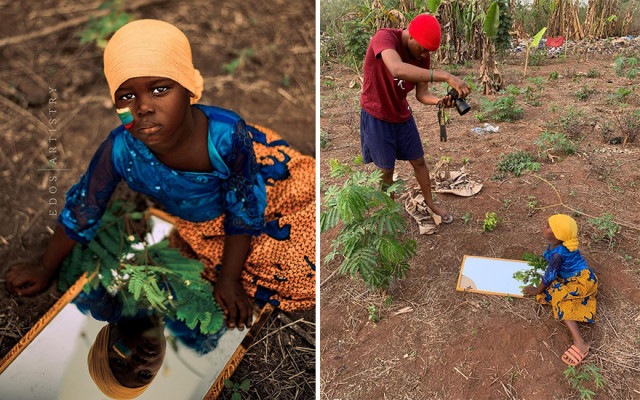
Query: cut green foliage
[555, 142]
[372, 224]
[491, 220]
[532, 276]
[584, 374]
[518, 162]
[504, 109]
[154, 277]
[98, 30]
[606, 228]
[626, 66]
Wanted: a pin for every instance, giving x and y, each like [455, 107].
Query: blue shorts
[385, 142]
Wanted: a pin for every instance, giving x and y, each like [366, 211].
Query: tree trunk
[490, 76]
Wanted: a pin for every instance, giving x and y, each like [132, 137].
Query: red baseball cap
[425, 29]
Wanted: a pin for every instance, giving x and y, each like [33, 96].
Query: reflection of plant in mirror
[533, 275]
[490, 222]
[142, 276]
[236, 388]
[578, 376]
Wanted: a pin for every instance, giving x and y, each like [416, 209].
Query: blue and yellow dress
[571, 285]
[258, 186]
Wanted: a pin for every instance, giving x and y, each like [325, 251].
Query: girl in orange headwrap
[568, 284]
[245, 200]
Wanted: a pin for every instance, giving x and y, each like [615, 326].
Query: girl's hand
[28, 279]
[236, 305]
[531, 290]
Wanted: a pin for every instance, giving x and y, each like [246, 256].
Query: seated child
[245, 200]
[568, 284]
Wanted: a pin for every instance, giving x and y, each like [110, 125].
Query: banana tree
[534, 43]
[490, 76]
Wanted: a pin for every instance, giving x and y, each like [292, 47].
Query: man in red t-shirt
[397, 60]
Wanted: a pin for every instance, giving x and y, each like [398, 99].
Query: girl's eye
[160, 89]
[145, 374]
[128, 96]
[121, 364]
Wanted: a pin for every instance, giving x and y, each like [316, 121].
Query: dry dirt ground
[272, 45]
[456, 345]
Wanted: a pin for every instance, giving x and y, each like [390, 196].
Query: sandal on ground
[447, 219]
[573, 356]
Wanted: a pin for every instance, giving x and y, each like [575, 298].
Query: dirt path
[454, 345]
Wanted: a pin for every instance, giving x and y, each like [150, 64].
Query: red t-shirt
[383, 96]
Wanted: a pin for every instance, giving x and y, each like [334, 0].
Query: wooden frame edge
[238, 355]
[459, 289]
[65, 299]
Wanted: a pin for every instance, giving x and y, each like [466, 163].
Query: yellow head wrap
[565, 229]
[101, 372]
[149, 47]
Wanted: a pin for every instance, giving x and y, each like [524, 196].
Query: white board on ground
[491, 276]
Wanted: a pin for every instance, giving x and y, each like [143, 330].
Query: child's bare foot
[576, 353]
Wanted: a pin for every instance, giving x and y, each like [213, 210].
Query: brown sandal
[573, 356]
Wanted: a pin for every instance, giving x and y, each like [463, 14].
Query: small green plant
[627, 67]
[491, 220]
[388, 301]
[372, 224]
[555, 142]
[532, 202]
[507, 202]
[242, 57]
[97, 30]
[534, 44]
[504, 109]
[533, 275]
[466, 217]
[584, 93]
[236, 388]
[373, 314]
[324, 139]
[553, 75]
[581, 375]
[606, 228]
[518, 162]
[513, 90]
[538, 81]
[465, 160]
[358, 160]
[593, 73]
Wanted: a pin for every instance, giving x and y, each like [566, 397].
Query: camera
[461, 106]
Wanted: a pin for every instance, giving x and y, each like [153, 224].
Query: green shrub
[491, 220]
[372, 223]
[606, 228]
[626, 66]
[553, 75]
[356, 42]
[578, 376]
[584, 93]
[504, 109]
[593, 73]
[556, 142]
[518, 162]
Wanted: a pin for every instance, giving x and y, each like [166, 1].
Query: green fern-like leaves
[372, 223]
[143, 277]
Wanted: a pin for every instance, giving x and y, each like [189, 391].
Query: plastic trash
[488, 128]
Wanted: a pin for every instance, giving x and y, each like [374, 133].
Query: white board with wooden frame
[491, 276]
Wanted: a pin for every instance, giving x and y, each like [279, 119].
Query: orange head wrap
[101, 372]
[149, 47]
[564, 228]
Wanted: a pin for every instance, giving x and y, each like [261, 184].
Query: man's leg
[422, 175]
[387, 179]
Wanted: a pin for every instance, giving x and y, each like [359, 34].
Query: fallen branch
[573, 209]
[68, 24]
[304, 334]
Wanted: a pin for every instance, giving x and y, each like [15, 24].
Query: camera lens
[462, 106]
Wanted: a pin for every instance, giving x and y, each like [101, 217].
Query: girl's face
[160, 108]
[136, 350]
[548, 233]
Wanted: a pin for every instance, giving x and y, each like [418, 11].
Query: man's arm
[411, 73]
